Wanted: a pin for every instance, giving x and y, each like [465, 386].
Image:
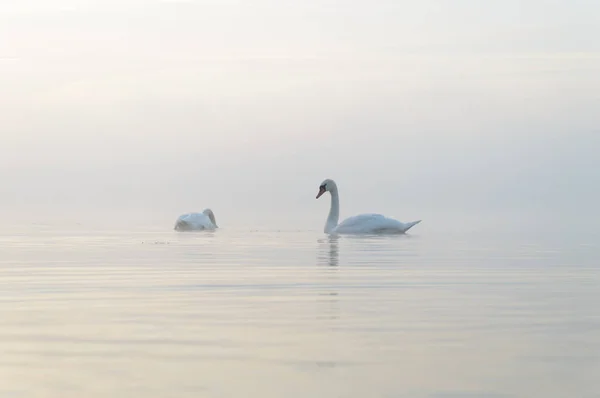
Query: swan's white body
[196, 221]
[361, 224]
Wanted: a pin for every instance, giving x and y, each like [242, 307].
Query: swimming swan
[196, 221]
[361, 224]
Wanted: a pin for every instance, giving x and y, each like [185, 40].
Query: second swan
[196, 221]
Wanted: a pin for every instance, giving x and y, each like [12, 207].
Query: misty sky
[162, 107]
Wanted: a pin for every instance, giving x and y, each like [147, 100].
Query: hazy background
[128, 111]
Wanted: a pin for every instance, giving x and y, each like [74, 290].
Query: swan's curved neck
[334, 210]
[211, 216]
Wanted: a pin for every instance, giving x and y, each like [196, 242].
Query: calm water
[243, 313]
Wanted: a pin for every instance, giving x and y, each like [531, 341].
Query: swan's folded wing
[362, 223]
[183, 217]
[372, 224]
[193, 220]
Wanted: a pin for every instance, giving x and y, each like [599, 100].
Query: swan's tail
[409, 225]
[181, 225]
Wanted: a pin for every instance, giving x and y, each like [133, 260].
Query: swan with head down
[360, 224]
[197, 221]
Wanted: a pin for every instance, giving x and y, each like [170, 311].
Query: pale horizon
[414, 109]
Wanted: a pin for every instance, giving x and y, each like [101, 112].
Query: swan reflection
[329, 251]
[328, 256]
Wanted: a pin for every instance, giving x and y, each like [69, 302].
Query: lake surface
[274, 313]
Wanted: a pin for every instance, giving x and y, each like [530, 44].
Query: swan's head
[327, 185]
[209, 213]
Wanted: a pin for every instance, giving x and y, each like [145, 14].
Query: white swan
[196, 221]
[361, 224]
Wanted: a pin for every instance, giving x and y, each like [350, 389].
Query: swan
[196, 221]
[361, 224]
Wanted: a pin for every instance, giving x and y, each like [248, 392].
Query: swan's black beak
[321, 192]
